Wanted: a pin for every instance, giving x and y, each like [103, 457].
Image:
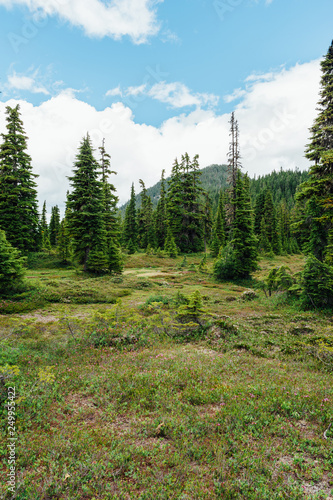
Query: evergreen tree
[11, 266]
[317, 192]
[146, 223]
[44, 230]
[240, 256]
[86, 216]
[322, 130]
[219, 236]
[54, 226]
[184, 205]
[110, 212]
[234, 166]
[18, 195]
[130, 228]
[64, 241]
[161, 216]
[259, 212]
[170, 246]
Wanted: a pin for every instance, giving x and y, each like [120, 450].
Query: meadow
[165, 384]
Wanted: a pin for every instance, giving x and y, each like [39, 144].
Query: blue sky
[161, 77]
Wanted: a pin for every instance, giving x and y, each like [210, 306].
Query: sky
[158, 78]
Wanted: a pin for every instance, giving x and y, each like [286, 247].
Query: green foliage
[184, 205]
[11, 267]
[170, 246]
[18, 195]
[225, 268]
[130, 227]
[317, 284]
[85, 211]
[279, 279]
[54, 226]
[44, 230]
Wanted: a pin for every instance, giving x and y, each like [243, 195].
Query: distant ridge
[283, 185]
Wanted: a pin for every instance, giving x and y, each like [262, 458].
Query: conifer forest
[179, 346]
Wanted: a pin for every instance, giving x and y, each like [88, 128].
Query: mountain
[283, 185]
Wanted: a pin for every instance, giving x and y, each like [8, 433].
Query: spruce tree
[86, 212]
[18, 195]
[130, 227]
[54, 226]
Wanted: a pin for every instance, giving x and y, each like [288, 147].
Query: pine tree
[86, 212]
[130, 227]
[54, 226]
[259, 212]
[11, 267]
[161, 216]
[44, 230]
[18, 195]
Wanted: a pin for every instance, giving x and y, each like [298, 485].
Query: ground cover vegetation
[181, 350]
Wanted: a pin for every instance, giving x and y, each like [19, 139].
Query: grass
[111, 407]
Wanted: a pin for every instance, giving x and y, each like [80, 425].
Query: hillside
[283, 185]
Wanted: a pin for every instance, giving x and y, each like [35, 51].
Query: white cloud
[135, 18]
[274, 117]
[179, 95]
[176, 94]
[114, 92]
[237, 94]
[22, 82]
[140, 89]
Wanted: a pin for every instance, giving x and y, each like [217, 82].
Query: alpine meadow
[163, 339]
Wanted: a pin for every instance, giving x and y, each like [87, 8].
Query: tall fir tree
[110, 212]
[146, 222]
[240, 256]
[44, 230]
[317, 192]
[218, 233]
[161, 216]
[234, 165]
[86, 212]
[54, 226]
[18, 195]
[130, 226]
[184, 205]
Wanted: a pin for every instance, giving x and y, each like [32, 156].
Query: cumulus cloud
[274, 117]
[115, 19]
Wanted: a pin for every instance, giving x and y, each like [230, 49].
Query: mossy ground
[111, 407]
